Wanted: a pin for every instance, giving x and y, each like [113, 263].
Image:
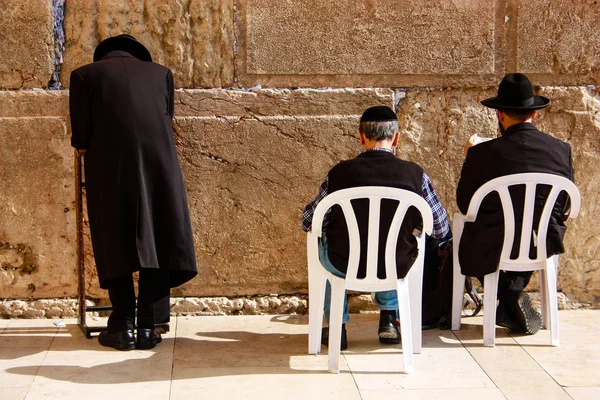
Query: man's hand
[474, 140]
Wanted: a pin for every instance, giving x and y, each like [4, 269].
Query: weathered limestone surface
[192, 37]
[251, 161]
[37, 224]
[249, 174]
[434, 126]
[386, 43]
[26, 43]
[559, 41]
[574, 116]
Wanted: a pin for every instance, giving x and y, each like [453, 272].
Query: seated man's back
[521, 148]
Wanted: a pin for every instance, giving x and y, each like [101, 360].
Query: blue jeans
[386, 300]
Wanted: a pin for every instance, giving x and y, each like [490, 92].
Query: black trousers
[152, 303]
[511, 284]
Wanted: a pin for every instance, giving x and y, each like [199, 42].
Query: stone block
[247, 182]
[192, 37]
[385, 43]
[278, 102]
[26, 47]
[34, 103]
[37, 217]
[560, 41]
[250, 173]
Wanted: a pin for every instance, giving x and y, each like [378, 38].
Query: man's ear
[395, 139]
[500, 115]
[533, 114]
[362, 138]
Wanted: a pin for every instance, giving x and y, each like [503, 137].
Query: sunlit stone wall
[270, 93]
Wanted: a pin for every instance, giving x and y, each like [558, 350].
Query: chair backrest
[528, 236]
[375, 194]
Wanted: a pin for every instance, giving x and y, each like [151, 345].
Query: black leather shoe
[325, 337]
[519, 317]
[147, 338]
[388, 330]
[123, 340]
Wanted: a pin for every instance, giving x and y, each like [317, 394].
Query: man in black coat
[520, 148]
[121, 108]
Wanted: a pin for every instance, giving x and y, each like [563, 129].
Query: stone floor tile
[250, 342]
[28, 333]
[19, 366]
[421, 379]
[503, 358]
[428, 394]
[74, 366]
[471, 332]
[570, 364]
[44, 389]
[527, 385]
[13, 393]
[261, 383]
[583, 393]
[3, 324]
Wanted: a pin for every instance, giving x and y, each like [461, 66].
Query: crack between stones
[59, 43]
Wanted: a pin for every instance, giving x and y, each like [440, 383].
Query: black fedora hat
[515, 93]
[124, 43]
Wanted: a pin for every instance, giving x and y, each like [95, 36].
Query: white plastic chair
[317, 275]
[546, 266]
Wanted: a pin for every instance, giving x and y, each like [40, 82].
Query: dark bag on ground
[437, 283]
[438, 271]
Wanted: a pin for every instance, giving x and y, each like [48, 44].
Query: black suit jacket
[121, 111]
[522, 148]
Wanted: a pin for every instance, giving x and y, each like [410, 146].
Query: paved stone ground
[264, 357]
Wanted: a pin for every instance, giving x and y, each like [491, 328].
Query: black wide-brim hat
[516, 93]
[124, 43]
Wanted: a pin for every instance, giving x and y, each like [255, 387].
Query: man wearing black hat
[377, 165]
[121, 110]
[520, 148]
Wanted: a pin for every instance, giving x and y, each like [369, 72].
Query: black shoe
[519, 317]
[147, 338]
[388, 330]
[325, 337]
[123, 340]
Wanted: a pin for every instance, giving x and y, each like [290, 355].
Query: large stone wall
[252, 158]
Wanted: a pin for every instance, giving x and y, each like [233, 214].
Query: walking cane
[83, 309]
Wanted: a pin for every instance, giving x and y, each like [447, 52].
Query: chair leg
[404, 307]
[458, 281]
[544, 299]
[552, 298]
[338, 293]
[316, 290]
[458, 290]
[489, 308]
[415, 288]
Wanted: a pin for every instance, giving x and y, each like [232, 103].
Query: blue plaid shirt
[440, 218]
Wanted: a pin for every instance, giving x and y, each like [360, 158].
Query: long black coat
[522, 148]
[121, 112]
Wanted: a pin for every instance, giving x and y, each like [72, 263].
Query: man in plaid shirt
[377, 165]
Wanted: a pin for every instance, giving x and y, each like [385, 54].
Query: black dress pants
[152, 303]
[510, 285]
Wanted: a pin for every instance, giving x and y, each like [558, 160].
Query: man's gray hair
[378, 130]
